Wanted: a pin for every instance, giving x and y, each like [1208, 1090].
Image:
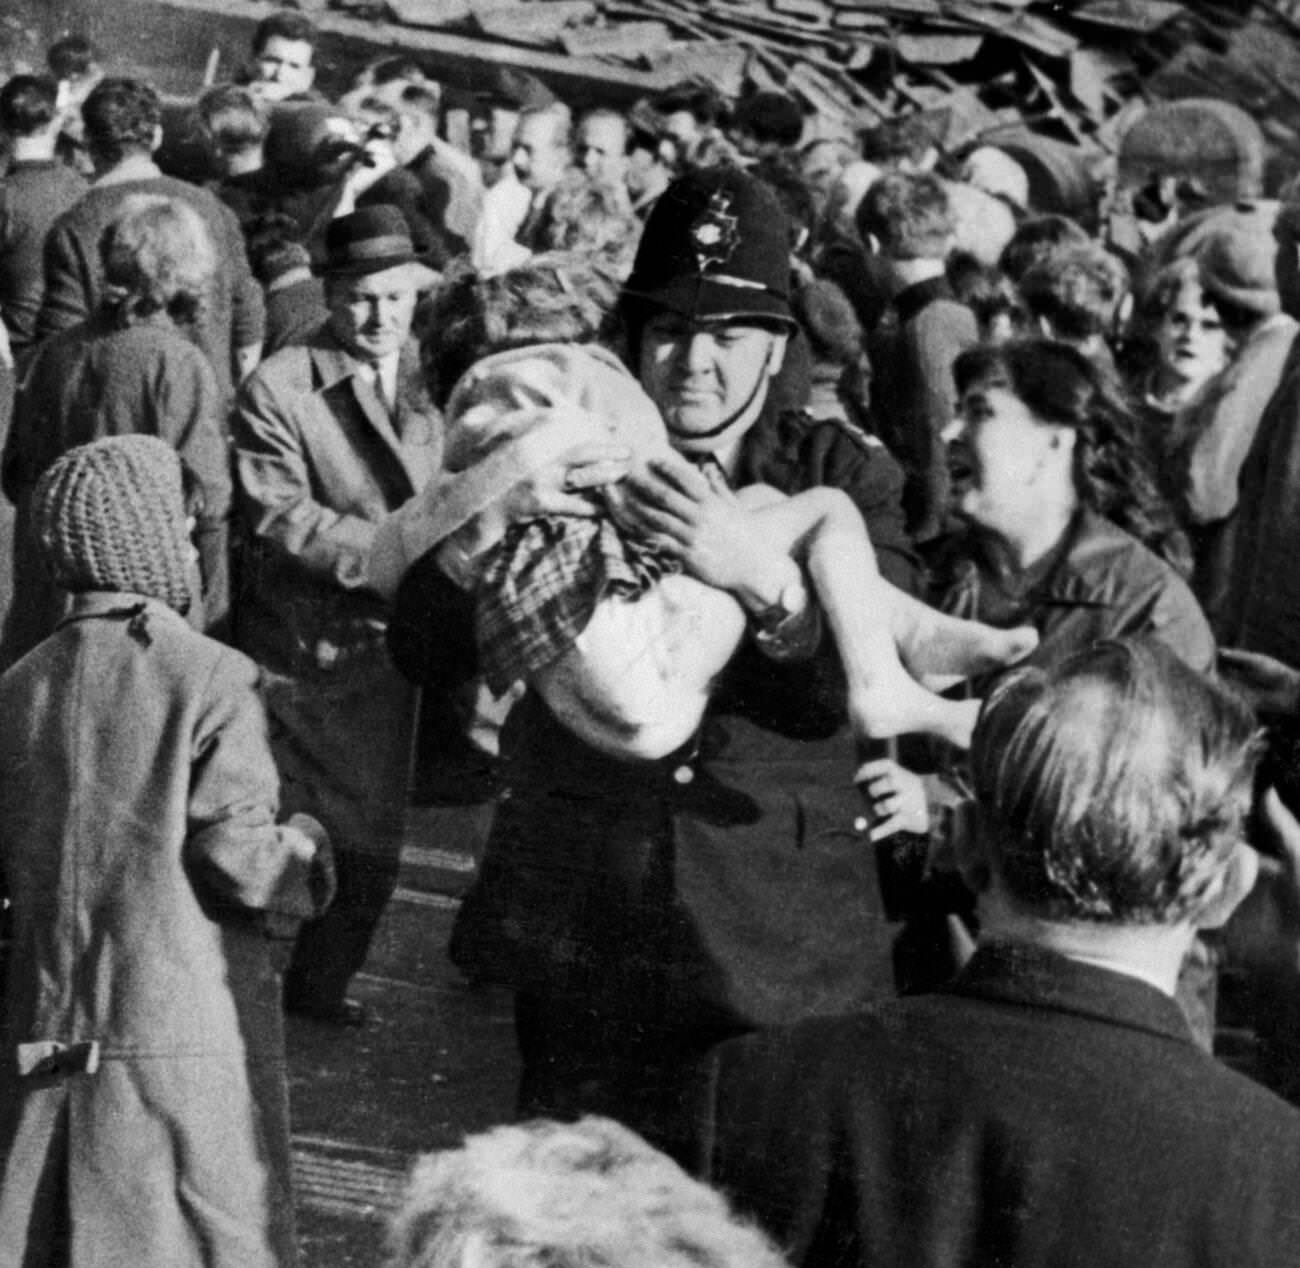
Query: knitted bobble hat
[110, 515]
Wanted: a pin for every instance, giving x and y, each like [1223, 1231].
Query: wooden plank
[1138, 16]
[809, 12]
[937, 50]
[720, 63]
[536, 24]
[627, 40]
[430, 12]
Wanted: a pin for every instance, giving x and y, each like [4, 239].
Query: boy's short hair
[287, 24]
[909, 215]
[122, 117]
[1077, 289]
[1035, 239]
[28, 104]
[1112, 787]
[71, 57]
[567, 1195]
[235, 118]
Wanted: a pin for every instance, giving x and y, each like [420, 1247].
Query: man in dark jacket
[912, 351]
[123, 128]
[1049, 1107]
[646, 909]
[36, 191]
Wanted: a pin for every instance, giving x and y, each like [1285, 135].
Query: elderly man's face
[284, 67]
[539, 155]
[602, 150]
[706, 375]
[371, 316]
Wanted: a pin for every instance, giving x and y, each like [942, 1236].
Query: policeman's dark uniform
[645, 910]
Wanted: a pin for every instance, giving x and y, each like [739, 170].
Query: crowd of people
[861, 594]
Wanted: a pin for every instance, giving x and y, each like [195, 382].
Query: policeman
[645, 910]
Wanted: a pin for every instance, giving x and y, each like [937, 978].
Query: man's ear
[1235, 881]
[311, 75]
[776, 354]
[157, 140]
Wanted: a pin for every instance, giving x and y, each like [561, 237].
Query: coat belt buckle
[50, 1059]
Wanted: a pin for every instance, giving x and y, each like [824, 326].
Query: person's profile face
[703, 374]
[371, 315]
[284, 68]
[997, 449]
[538, 156]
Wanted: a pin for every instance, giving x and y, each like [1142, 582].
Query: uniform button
[861, 823]
[683, 775]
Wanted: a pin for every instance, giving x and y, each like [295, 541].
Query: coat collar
[1077, 574]
[1022, 974]
[335, 368]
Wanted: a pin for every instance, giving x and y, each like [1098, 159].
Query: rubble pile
[1067, 70]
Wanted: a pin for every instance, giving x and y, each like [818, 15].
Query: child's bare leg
[868, 615]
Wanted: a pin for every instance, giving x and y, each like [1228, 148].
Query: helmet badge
[713, 235]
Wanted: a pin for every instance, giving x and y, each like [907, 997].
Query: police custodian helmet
[716, 246]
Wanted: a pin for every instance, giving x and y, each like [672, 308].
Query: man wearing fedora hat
[731, 884]
[330, 437]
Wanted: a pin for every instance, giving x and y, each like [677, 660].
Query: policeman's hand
[1271, 686]
[700, 522]
[897, 797]
[567, 486]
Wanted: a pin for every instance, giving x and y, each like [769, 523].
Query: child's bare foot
[899, 705]
[931, 642]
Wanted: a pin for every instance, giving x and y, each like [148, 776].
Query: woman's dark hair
[553, 298]
[1112, 476]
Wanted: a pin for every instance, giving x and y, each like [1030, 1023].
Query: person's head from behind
[767, 122]
[1075, 292]
[235, 121]
[1112, 789]
[123, 120]
[1041, 434]
[157, 258]
[29, 110]
[284, 54]
[905, 145]
[551, 298]
[112, 516]
[908, 216]
[990, 295]
[556, 1195]
[587, 215]
[1035, 239]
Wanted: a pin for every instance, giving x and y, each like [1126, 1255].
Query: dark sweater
[33, 196]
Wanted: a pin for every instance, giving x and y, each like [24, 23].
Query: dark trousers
[657, 1081]
[329, 950]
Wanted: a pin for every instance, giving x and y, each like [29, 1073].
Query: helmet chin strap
[731, 427]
